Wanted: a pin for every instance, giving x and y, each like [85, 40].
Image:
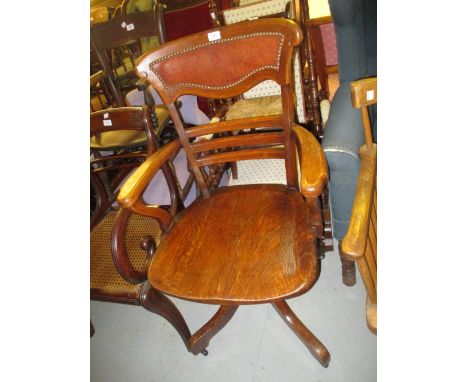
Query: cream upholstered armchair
[356, 37]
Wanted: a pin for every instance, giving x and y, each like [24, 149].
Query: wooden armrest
[353, 245]
[96, 77]
[132, 190]
[314, 173]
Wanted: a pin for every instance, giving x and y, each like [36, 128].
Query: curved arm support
[314, 173]
[133, 189]
[353, 245]
[119, 252]
[163, 217]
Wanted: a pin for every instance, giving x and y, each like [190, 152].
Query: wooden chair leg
[157, 303]
[92, 328]
[200, 340]
[348, 270]
[235, 173]
[327, 226]
[316, 348]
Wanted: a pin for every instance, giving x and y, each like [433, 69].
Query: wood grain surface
[244, 244]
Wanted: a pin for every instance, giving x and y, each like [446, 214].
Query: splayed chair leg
[348, 270]
[200, 340]
[159, 304]
[316, 348]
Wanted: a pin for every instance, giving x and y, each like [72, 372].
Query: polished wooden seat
[360, 242]
[246, 244]
[278, 263]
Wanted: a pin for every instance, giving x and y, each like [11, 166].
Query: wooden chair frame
[300, 12]
[313, 27]
[275, 40]
[99, 89]
[360, 242]
[121, 31]
[123, 161]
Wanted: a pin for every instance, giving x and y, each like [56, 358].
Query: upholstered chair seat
[255, 107]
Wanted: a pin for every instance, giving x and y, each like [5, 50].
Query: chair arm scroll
[314, 174]
[130, 195]
[119, 253]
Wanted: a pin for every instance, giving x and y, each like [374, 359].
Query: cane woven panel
[105, 280]
[268, 88]
[255, 107]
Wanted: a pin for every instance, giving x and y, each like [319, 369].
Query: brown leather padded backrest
[222, 63]
[243, 55]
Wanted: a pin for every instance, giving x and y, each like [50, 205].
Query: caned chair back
[223, 63]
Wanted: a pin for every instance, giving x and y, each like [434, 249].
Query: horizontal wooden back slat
[124, 29]
[124, 118]
[247, 154]
[257, 139]
[231, 125]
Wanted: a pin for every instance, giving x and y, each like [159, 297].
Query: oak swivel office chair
[249, 244]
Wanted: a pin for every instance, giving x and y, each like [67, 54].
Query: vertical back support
[223, 63]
